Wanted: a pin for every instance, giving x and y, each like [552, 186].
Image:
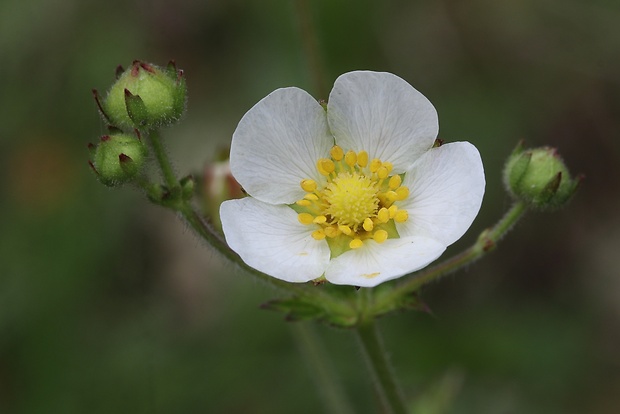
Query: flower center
[351, 198]
[356, 204]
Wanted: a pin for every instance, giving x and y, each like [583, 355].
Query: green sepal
[136, 109]
[296, 309]
[331, 304]
[547, 193]
[187, 187]
[517, 170]
[384, 302]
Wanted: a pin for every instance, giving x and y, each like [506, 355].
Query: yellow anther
[362, 159]
[356, 243]
[392, 210]
[383, 215]
[325, 166]
[319, 219]
[375, 164]
[368, 224]
[402, 193]
[395, 182]
[350, 158]
[305, 218]
[389, 166]
[303, 203]
[345, 229]
[331, 232]
[311, 197]
[308, 185]
[383, 172]
[318, 234]
[380, 236]
[391, 196]
[401, 216]
[337, 153]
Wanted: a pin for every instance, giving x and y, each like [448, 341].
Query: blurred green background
[111, 305]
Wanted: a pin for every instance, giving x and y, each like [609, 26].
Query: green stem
[378, 364]
[213, 238]
[486, 242]
[319, 364]
[162, 160]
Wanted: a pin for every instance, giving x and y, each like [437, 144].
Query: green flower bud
[145, 96]
[118, 158]
[539, 177]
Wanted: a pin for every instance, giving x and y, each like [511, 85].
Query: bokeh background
[111, 305]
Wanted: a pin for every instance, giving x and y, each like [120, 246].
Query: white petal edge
[277, 144]
[270, 239]
[446, 187]
[382, 114]
[376, 263]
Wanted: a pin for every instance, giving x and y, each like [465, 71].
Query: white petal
[382, 114]
[446, 187]
[375, 263]
[277, 144]
[270, 239]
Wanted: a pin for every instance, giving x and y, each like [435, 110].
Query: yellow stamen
[401, 216]
[332, 232]
[392, 211]
[375, 164]
[362, 159]
[325, 166]
[318, 234]
[356, 243]
[319, 219]
[350, 158]
[383, 172]
[354, 201]
[305, 218]
[395, 182]
[391, 196]
[380, 236]
[402, 193]
[308, 185]
[383, 215]
[337, 153]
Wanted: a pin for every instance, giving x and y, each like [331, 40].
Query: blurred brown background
[109, 304]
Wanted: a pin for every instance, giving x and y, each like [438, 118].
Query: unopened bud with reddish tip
[539, 177]
[144, 96]
[118, 158]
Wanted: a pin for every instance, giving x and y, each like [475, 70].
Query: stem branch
[486, 242]
[162, 160]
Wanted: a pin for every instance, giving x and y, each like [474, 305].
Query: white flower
[354, 192]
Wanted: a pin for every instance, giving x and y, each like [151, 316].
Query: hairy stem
[322, 368]
[486, 242]
[164, 164]
[376, 358]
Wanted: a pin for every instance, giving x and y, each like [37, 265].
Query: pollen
[356, 201]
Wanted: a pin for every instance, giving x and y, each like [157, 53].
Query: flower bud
[118, 158]
[539, 177]
[145, 96]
